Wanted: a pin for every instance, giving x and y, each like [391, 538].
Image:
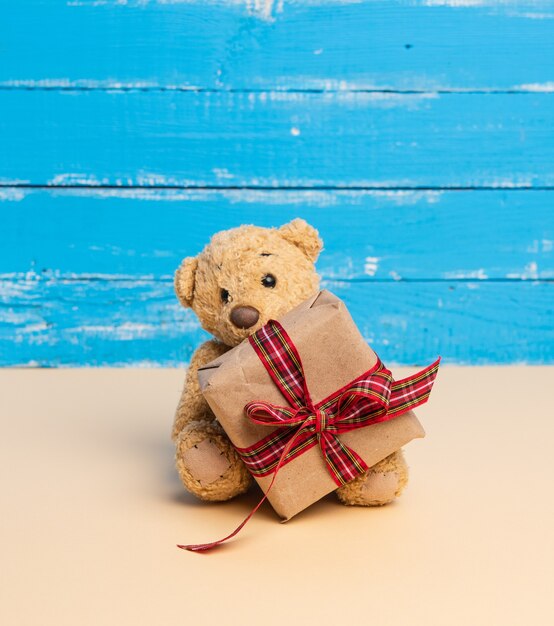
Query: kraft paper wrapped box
[333, 353]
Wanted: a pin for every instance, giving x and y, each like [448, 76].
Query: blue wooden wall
[416, 135]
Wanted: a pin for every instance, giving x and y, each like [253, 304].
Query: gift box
[308, 405]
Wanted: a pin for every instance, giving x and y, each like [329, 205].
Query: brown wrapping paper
[333, 353]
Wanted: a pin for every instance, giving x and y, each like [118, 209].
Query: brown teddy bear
[243, 278]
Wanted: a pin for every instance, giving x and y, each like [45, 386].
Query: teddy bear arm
[192, 405]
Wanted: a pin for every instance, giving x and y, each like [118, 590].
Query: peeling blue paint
[416, 135]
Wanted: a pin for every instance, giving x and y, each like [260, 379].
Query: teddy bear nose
[244, 316]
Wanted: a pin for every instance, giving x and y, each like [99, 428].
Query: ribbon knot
[320, 421]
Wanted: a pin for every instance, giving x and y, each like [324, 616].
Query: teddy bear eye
[269, 281]
[225, 296]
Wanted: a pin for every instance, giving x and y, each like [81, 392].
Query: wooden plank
[118, 322]
[393, 44]
[287, 139]
[383, 235]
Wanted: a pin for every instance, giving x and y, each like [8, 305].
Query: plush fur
[244, 277]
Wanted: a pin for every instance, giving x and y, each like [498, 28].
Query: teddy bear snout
[244, 316]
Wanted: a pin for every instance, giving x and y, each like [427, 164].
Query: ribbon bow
[371, 398]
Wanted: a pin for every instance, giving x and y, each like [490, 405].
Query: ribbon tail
[205, 547]
[342, 462]
[413, 391]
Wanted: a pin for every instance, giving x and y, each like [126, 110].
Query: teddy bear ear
[184, 280]
[303, 236]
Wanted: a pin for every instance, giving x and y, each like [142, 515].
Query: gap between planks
[93, 187]
[91, 278]
[281, 90]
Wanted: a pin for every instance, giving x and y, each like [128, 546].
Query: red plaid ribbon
[371, 398]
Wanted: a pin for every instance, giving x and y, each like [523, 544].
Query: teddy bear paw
[208, 465]
[380, 485]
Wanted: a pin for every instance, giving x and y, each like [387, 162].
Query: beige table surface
[92, 510]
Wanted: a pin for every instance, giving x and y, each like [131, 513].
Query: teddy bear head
[248, 275]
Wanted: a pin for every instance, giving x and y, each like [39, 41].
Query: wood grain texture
[259, 44]
[417, 135]
[392, 235]
[139, 322]
[277, 139]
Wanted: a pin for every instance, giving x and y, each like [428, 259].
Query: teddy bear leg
[381, 484]
[207, 463]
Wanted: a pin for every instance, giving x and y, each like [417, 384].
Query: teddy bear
[243, 278]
